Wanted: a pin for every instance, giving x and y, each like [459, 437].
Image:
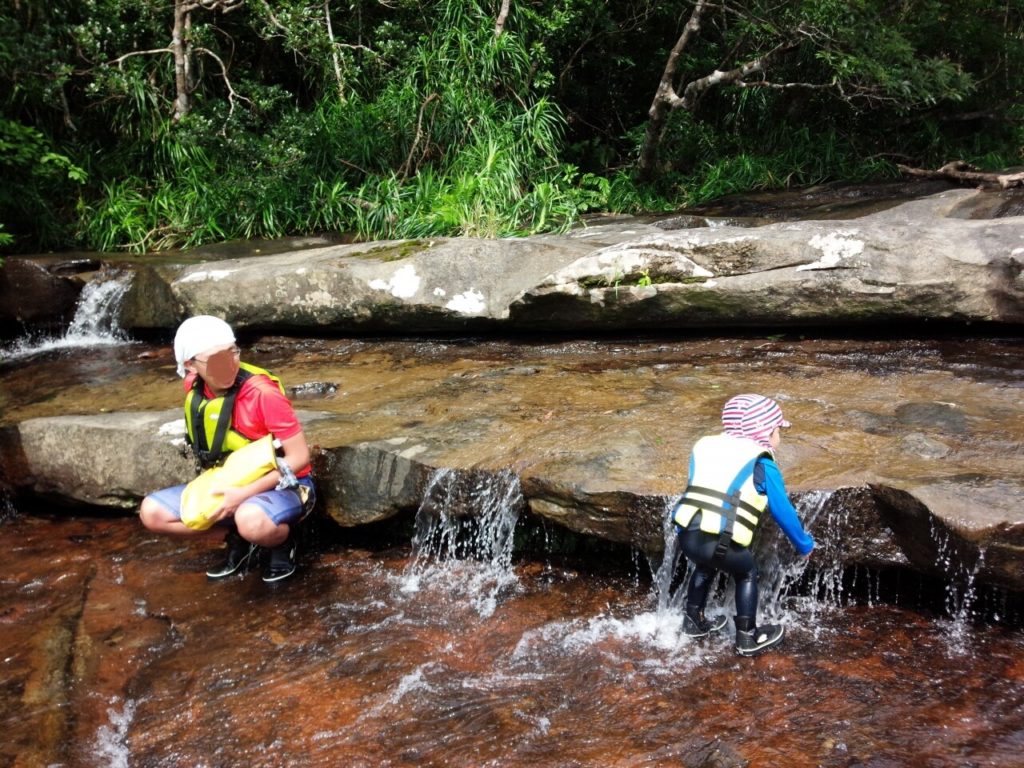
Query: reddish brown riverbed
[116, 652]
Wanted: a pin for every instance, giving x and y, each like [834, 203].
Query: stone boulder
[38, 292]
[915, 262]
[83, 459]
[911, 263]
[107, 459]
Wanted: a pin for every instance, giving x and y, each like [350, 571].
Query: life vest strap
[726, 507]
[733, 500]
[207, 454]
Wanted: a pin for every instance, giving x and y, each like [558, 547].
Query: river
[388, 650]
[118, 652]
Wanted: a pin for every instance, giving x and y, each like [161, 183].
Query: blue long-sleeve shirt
[768, 480]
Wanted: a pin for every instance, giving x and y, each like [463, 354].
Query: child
[733, 479]
[227, 405]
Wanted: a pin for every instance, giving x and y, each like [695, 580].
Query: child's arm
[781, 507]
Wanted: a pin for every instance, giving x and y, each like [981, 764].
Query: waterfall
[782, 573]
[668, 593]
[961, 591]
[94, 323]
[464, 536]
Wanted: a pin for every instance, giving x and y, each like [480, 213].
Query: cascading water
[94, 323]
[464, 536]
[960, 587]
[790, 591]
[781, 570]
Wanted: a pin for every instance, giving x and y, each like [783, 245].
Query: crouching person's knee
[152, 515]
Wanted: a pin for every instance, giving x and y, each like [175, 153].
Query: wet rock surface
[36, 292]
[916, 444]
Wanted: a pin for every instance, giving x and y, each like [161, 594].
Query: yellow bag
[248, 463]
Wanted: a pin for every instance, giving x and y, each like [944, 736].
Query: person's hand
[231, 499]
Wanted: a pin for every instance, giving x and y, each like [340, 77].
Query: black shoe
[241, 555]
[751, 642]
[699, 626]
[281, 563]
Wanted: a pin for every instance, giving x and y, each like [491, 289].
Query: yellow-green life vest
[722, 489]
[216, 439]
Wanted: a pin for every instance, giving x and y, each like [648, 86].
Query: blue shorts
[280, 506]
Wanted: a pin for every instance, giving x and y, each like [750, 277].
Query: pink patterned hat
[752, 416]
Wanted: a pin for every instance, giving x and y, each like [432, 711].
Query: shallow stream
[118, 652]
[387, 650]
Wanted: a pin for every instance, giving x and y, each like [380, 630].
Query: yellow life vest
[722, 489]
[215, 438]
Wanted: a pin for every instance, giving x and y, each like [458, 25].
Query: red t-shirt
[260, 409]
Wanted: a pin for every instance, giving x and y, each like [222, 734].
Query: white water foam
[412, 682]
[657, 635]
[111, 745]
[94, 323]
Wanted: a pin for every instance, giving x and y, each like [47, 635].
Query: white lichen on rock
[403, 284]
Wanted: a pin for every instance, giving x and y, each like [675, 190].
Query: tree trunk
[499, 24]
[334, 52]
[180, 49]
[666, 96]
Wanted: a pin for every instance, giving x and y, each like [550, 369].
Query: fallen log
[965, 173]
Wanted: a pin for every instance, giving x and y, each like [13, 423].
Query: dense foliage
[143, 124]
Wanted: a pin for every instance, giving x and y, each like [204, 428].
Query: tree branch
[224, 6]
[696, 88]
[666, 88]
[120, 59]
[334, 52]
[786, 86]
[665, 97]
[407, 166]
[273, 19]
[232, 93]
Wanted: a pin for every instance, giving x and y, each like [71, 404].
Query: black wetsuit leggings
[699, 548]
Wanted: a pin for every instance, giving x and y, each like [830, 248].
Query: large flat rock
[916, 262]
[911, 453]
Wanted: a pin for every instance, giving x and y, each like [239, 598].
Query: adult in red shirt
[265, 512]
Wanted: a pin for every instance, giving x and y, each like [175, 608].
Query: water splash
[668, 594]
[464, 536]
[95, 321]
[651, 640]
[783, 592]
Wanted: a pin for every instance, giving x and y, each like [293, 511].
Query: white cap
[198, 334]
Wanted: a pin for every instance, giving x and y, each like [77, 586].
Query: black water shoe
[281, 563]
[240, 556]
[697, 625]
[751, 642]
